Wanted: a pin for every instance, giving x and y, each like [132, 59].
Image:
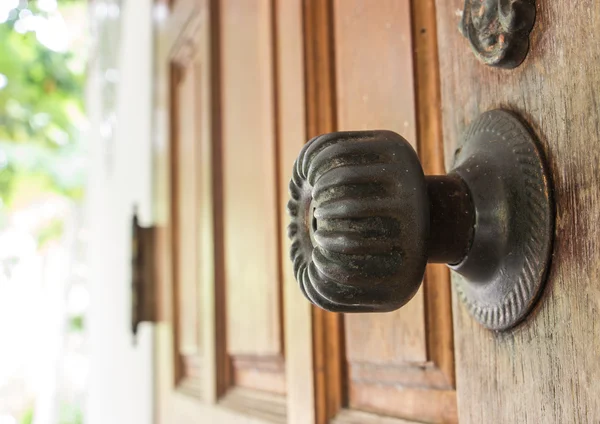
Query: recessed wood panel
[187, 210]
[187, 219]
[249, 179]
[391, 360]
[251, 198]
[375, 89]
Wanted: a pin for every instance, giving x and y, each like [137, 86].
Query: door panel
[191, 229]
[249, 173]
[374, 81]
[253, 281]
[398, 364]
[186, 210]
[390, 365]
[190, 370]
[546, 370]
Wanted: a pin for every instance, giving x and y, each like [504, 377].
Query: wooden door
[241, 85]
[546, 370]
[224, 351]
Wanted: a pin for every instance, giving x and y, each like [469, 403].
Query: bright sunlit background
[43, 281]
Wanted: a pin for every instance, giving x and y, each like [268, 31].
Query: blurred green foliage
[41, 108]
[27, 417]
[70, 413]
[76, 323]
[43, 94]
[51, 231]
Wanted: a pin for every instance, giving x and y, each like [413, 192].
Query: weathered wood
[348, 416]
[547, 369]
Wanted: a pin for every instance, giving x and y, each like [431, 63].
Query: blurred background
[60, 68]
[44, 289]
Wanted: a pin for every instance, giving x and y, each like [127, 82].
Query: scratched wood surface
[548, 369]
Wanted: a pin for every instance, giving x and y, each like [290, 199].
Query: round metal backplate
[504, 272]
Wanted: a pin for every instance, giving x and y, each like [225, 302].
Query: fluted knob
[361, 221]
[365, 220]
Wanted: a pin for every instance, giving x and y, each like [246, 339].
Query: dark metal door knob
[365, 220]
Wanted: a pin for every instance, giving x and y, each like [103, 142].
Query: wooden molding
[436, 286]
[328, 333]
[265, 373]
[419, 376]
[265, 406]
[348, 416]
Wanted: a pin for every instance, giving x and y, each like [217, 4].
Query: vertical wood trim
[437, 289]
[328, 332]
[427, 81]
[291, 136]
[319, 67]
[173, 78]
[223, 370]
[279, 196]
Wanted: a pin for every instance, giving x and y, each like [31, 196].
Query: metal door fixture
[498, 30]
[365, 220]
[143, 284]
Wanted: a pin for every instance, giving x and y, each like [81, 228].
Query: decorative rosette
[498, 30]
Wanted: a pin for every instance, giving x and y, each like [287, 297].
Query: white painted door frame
[120, 386]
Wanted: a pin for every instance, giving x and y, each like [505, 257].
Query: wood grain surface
[547, 370]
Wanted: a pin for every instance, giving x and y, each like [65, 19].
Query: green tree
[41, 101]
